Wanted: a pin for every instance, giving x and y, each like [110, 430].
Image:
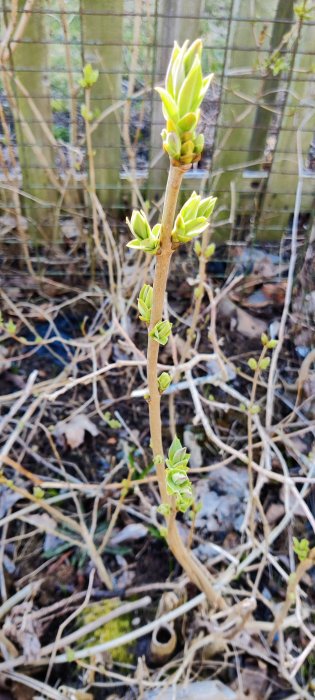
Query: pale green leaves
[192, 218]
[185, 88]
[145, 303]
[145, 238]
[177, 480]
[189, 97]
[161, 332]
[184, 82]
[169, 107]
[90, 77]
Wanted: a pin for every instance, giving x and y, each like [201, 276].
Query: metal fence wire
[258, 116]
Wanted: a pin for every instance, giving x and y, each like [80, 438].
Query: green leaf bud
[301, 548]
[199, 143]
[38, 492]
[264, 363]
[181, 97]
[145, 239]
[177, 482]
[189, 210]
[187, 148]
[145, 303]
[163, 532]
[139, 225]
[10, 327]
[183, 503]
[164, 380]
[164, 509]
[90, 76]
[197, 248]
[252, 363]
[198, 292]
[172, 145]
[264, 339]
[86, 113]
[210, 250]
[272, 343]
[177, 455]
[161, 332]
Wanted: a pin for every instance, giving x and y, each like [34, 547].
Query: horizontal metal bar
[246, 174]
[130, 14]
[64, 71]
[125, 186]
[124, 44]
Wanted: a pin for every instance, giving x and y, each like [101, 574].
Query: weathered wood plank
[248, 45]
[293, 145]
[102, 37]
[30, 63]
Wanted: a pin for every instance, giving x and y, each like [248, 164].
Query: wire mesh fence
[258, 117]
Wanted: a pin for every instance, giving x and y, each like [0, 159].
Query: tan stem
[194, 569]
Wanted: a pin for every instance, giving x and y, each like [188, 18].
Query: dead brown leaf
[21, 629]
[74, 430]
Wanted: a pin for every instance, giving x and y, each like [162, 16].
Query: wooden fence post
[169, 27]
[293, 145]
[242, 88]
[102, 25]
[32, 112]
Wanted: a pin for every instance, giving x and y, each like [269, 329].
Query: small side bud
[252, 363]
[264, 363]
[38, 492]
[164, 381]
[210, 250]
[197, 248]
[164, 509]
[264, 339]
[198, 292]
[145, 303]
[90, 76]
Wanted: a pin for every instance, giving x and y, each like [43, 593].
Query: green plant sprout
[185, 88]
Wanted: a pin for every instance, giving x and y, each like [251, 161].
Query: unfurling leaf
[161, 332]
[264, 363]
[252, 363]
[192, 218]
[145, 238]
[145, 303]
[210, 250]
